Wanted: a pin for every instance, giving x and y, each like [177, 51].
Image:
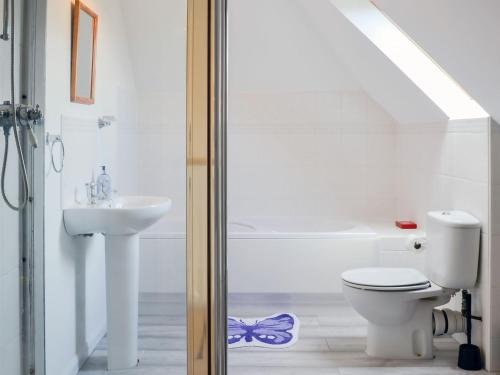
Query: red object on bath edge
[406, 224]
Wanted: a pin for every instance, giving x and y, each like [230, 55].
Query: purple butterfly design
[278, 330]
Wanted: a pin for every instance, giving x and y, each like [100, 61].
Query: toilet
[398, 303]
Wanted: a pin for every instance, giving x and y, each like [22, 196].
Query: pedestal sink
[121, 221]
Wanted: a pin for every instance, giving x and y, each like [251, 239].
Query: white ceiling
[462, 36]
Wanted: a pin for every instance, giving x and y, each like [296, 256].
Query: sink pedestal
[122, 298]
[120, 220]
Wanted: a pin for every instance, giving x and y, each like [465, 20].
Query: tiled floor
[332, 339]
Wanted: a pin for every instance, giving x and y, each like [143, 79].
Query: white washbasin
[120, 221]
[121, 216]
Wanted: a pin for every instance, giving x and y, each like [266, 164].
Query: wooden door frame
[206, 197]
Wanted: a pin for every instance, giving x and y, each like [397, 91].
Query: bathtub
[268, 228]
[276, 254]
[295, 228]
[295, 255]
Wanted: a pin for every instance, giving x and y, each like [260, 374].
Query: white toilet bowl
[398, 304]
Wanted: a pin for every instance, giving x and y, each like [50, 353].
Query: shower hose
[25, 195]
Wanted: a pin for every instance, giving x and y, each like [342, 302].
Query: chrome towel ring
[52, 140]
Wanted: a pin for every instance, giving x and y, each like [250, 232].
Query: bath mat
[276, 331]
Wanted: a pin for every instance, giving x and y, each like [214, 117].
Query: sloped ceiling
[371, 69]
[462, 36]
[378, 76]
[273, 49]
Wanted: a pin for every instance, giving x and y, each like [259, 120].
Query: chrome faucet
[91, 192]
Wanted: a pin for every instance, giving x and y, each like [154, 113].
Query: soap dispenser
[104, 185]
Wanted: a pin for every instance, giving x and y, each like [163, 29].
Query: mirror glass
[85, 55]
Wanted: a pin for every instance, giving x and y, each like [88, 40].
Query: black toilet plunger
[469, 356]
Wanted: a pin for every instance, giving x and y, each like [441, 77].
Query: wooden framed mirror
[83, 54]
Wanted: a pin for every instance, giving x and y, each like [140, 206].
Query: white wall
[75, 291]
[304, 137]
[443, 166]
[329, 154]
[154, 148]
[10, 282]
[157, 138]
[491, 273]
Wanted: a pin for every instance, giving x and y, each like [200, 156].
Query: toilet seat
[386, 279]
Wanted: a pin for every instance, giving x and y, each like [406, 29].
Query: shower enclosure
[29, 216]
[21, 206]
[23, 275]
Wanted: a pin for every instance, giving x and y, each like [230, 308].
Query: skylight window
[410, 59]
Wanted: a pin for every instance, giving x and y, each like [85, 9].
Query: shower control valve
[29, 113]
[5, 109]
[26, 114]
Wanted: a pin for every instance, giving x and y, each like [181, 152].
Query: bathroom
[331, 121]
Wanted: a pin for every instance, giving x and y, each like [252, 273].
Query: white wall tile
[471, 156]
[320, 165]
[445, 166]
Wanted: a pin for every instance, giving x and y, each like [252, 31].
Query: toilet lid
[379, 278]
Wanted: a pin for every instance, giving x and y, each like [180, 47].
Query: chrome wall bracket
[5, 29]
